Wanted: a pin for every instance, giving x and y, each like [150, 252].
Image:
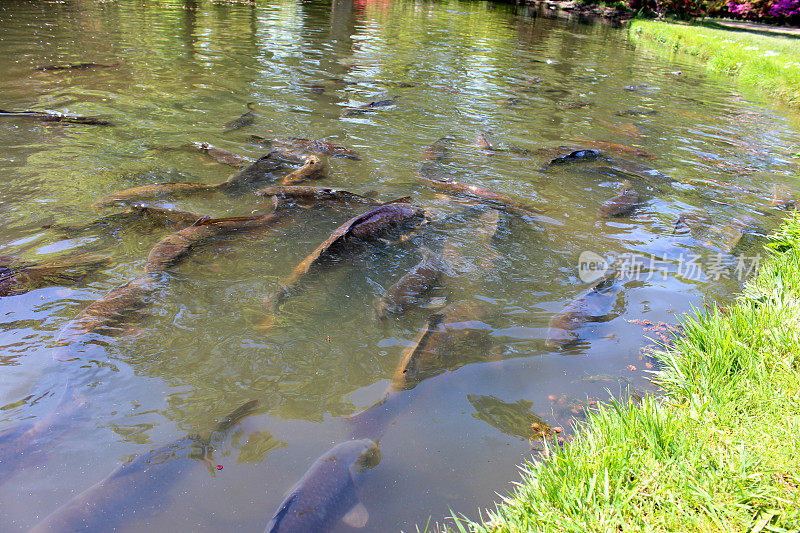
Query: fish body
[312, 169]
[240, 122]
[327, 492]
[17, 277]
[636, 112]
[451, 339]
[157, 191]
[439, 151]
[175, 247]
[408, 289]
[222, 156]
[258, 171]
[587, 154]
[50, 116]
[349, 237]
[368, 108]
[308, 146]
[621, 205]
[782, 198]
[481, 193]
[592, 306]
[302, 194]
[136, 486]
[152, 215]
[77, 66]
[614, 147]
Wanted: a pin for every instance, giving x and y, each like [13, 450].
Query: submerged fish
[636, 112]
[782, 198]
[592, 306]
[327, 492]
[52, 116]
[221, 156]
[451, 339]
[152, 215]
[77, 66]
[408, 290]
[587, 154]
[302, 194]
[138, 486]
[368, 108]
[485, 144]
[175, 247]
[515, 419]
[259, 171]
[157, 191]
[481, 193]
[621, 205]
[311, 146]
[313, 169]
[439, 151]
[614, 147]
[348, 238]
[240, 122]
[19, 277]
[27, 443]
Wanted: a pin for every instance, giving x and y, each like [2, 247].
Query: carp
[439, 151]
[636, 112]
[483, 194]
[451, 339]
[221, 156]
[19, 277]
[313, 169]
[614, 147]
[301, 194]
[587, 154]
[152, 215]
[52, 116]
[368, 108]
[348, 238]
[327, 492]
[408, 290]
[782, 198]
[311, 146]
[175, 247]
[77, 66]
[621, 205]
[157, 191]
[593, 306]
[244, 120]
[139, 486]
[259, 171]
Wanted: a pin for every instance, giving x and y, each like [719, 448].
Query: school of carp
[282, 182]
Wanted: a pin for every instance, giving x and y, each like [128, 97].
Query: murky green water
[199, 351]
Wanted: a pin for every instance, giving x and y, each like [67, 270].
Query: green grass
[717, 450]
[771, 63]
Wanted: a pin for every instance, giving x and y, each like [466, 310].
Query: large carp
[175, 247]
[157, 191]
[19, 277]
[350, 237]
[328, 492]
[408, 290]
[621, 205]
[52, 116]
[368, 108]
[311, 146]
[483, 194]
[244, 120]
[313, 169]
[595, 305]
[221, 156]
[138, 486]
[306, 195]
[152, 216]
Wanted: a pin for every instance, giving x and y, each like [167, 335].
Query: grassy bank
[717, 450]
[771, 63]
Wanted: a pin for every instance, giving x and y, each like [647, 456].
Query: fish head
[370, 456]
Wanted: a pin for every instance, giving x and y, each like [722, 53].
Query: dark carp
[52, 116]
[152, 216]
[175, 247]
[155, 192]
[19, 277]
[314, 168]
[409, 289]
[349, 238]
[244, 120]
[368, 108]
[310, 146]
[27, 443]
[306, 195]
[77, 66]
[614, 147]
[138, 487]
[328, 492]
[261, 170]
[221, 156]
[595, 305]
[439, 150]
[636, 113]
[107, 315]
[587, 154]
[483, 194]
[621, 205]
[451, 339]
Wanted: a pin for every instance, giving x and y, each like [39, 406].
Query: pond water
[203, 343]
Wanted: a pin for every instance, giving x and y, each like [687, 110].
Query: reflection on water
[477, 94]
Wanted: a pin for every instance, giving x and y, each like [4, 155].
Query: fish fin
[403, 200]
[357, 516]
